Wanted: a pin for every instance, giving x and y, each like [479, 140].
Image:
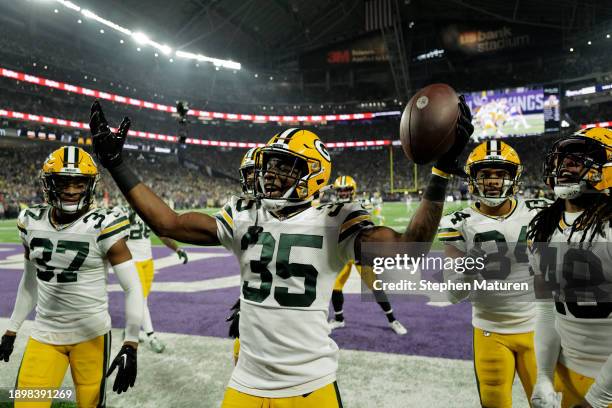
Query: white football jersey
[377, 202]
[72, 272]
[585, 328]
[139, 242]
[287, 275]
[504, 239]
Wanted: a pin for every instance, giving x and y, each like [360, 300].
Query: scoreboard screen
[507, 112]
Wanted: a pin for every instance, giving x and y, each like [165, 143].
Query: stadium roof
[270, 32]
[276, 27]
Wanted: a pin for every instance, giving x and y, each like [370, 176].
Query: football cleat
[156, 344]
[335, 324]
[398, 328]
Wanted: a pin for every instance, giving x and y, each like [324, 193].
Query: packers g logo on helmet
[309, 158]
[592, 149]
[345, 185]
[247, 170]
[65, 166]
[493, 154]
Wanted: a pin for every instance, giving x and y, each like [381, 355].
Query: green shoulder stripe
[355, 214]
[117, 221]
[354, 228]
[228, 209]
[459, 238]
[447, 230]
[225, 224]
[113, 232]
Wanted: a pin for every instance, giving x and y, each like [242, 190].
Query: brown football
[427, 128]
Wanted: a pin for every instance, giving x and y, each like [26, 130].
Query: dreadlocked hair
[545, 222]
[593, 218]
[590, 222]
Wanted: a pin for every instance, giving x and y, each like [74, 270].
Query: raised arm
[424, 223]
[192, 227]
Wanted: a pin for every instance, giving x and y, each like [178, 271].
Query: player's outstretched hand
[545, 396]
[107, 145]
[448, 163]
[6, 347]
[182, 255]
[126, 364]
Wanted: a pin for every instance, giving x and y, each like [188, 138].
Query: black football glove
[182, 255]
[126, 375]
[234, 318]
[6, 347]
[448, 162]
[107, 145]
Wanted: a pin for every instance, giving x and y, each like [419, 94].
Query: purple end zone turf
[432, 331]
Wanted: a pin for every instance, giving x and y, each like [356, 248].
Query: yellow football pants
[343, 276]
[325, 397]
[145, 272]
[572, 385]
[496, 359]
[367, 275]
[44, 366]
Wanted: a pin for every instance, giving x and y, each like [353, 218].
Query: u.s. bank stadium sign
[488, 38]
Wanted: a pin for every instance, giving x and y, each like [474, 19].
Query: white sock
[147, 324]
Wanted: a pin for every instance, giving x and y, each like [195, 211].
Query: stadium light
[589, 42]
[79, 21]
[140, 38]
[607, 35]
[69, 4]
[143, 39]
[203, 58]
[56, 11]
[93, 16]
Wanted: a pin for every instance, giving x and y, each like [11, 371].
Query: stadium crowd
[182, 186]
[207, 176]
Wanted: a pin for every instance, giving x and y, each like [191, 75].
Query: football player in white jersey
[289, 254]
[495, 226]
[571, 245]
[346, 191]
[377, 207]
[247, 184]
[139, 244]
[68, 246]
